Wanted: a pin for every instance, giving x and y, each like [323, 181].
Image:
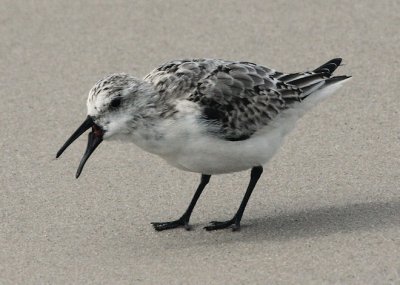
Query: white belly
[186, 145]
[213, 156]
[210, 155]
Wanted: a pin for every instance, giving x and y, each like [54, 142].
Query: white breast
[186, 145]
[210, 155]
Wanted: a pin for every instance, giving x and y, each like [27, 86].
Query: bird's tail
[318, 84]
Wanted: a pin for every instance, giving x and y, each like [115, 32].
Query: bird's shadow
[307, 224]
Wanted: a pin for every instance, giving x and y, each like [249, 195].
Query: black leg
[184, 220]
[235, 221]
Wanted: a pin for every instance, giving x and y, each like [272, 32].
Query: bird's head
[111, 107]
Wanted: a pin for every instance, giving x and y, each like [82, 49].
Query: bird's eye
[116, 102]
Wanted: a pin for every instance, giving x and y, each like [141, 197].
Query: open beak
[94, 139]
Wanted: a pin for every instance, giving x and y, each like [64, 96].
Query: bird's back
[237, 99]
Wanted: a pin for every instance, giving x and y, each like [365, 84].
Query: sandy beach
[325, 211]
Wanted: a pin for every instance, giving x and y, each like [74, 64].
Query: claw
[215, 225]
[172, 225]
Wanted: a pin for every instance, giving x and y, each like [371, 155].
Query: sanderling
[208, 116]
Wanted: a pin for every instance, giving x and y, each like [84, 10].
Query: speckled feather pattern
[236, 98]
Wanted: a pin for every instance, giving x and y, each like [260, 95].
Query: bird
[207, 116]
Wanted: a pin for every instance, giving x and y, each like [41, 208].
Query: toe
[209, 228]
[171, 225]
[215, 225]
[159, 226]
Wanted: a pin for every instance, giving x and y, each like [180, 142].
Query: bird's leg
[184, 220]
[235, 221]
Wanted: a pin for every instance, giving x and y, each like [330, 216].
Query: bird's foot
[182, 222]
[223, 225]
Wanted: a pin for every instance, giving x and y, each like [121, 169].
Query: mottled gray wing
[239, 98]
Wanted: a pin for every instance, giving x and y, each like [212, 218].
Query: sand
[326, 210]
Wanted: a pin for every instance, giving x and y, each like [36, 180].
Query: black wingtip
[336, 79]
[329, 66]
[337, 61]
